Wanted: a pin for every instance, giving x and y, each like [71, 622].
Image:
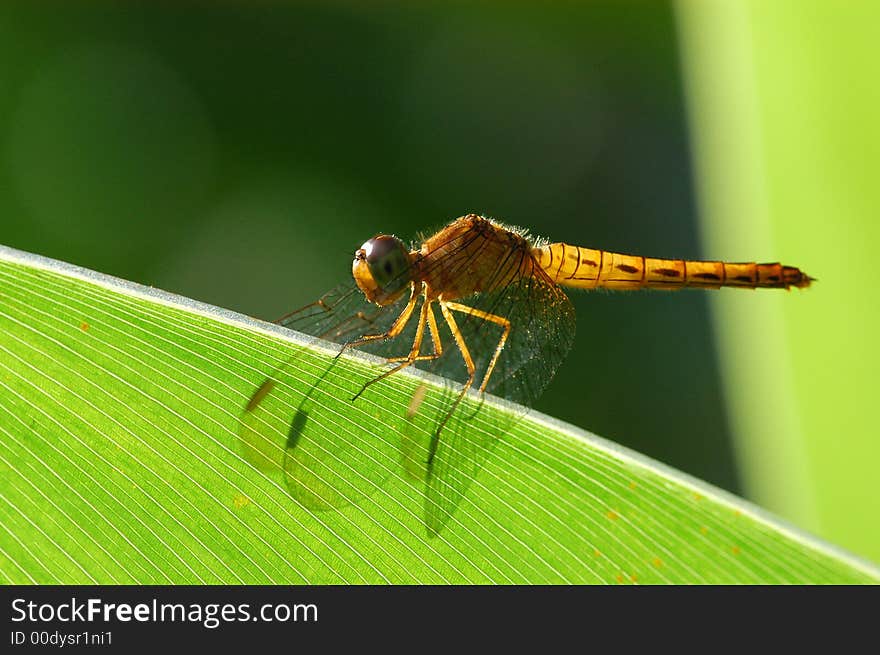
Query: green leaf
[123, 462]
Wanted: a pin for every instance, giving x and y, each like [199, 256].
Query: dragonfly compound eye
[382, 269]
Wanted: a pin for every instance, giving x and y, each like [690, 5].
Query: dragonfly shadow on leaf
[444, 454]
[326, 462]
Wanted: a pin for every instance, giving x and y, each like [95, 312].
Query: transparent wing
[542, 324]
[343, 314]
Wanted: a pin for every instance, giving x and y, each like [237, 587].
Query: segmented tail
[585, 268]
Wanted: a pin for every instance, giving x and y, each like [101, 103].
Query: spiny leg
[395, 329]
[500, 320]
[425, 315]
[471, 369]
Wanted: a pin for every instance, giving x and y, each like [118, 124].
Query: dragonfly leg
[435, 340]
[471, 369]
[500, 320]
[426, 315]
[395, 329]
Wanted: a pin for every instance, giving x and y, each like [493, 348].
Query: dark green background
[239, 155]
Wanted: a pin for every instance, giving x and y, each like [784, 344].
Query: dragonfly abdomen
[587, 268]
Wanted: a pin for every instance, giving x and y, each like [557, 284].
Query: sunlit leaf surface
[123, 460]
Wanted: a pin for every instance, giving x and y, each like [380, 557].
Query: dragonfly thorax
[383, 269]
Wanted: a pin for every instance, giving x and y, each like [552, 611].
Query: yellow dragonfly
[479, 303]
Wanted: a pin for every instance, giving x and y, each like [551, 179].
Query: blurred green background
[239, 153]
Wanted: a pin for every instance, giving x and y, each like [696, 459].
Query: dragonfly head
[383, 269]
